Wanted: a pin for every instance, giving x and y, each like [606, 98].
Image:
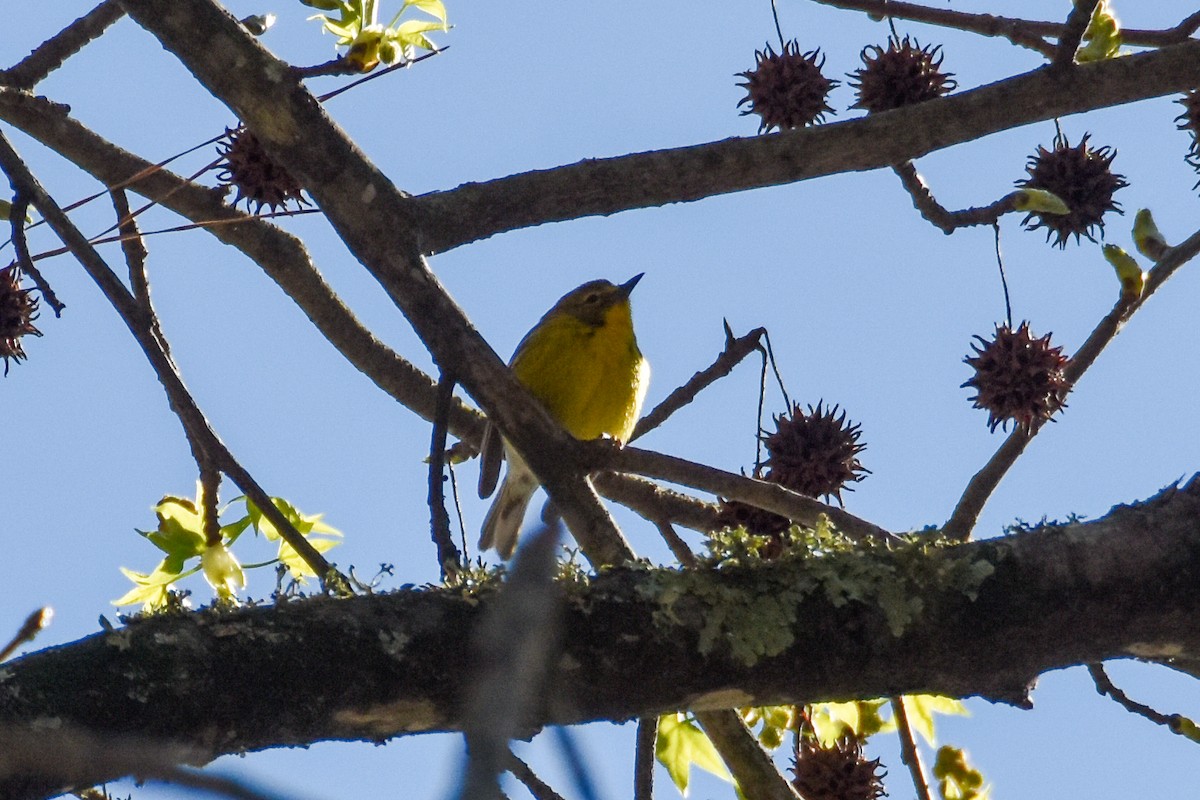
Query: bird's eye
[591, 299]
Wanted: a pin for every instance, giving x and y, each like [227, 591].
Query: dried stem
[941, 217]
[182, 403]
[908, 750]
[984, 482]
[52, 53]
[736, 349]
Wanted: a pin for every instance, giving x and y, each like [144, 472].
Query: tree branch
[983, 483]
[369, 214]
[51, 54]
[476, 211]
[388, 665]
[199, 433]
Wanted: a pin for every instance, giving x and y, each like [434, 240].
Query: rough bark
[371, 668]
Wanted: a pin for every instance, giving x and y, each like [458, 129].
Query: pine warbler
[582, 362]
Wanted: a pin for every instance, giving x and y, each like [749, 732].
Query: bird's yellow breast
[591, 378]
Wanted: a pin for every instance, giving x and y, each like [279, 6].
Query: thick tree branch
[281, 255]
[605, 186]
[386, 665]
[370, 216]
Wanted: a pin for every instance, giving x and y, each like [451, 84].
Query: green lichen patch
[738, 601]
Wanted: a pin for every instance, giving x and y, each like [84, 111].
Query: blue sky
[867, 305]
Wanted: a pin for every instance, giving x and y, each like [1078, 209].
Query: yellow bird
[582, 361]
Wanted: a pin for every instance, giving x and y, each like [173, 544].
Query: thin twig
[1105, 686]
[983, 483]
[1026, 33]
[908, 750]
[761, 494]
[135, 258]
[679, 548]
[1072, 32]
[536, 786]
[182, 402]
[20, 207]
[735, 350]
[643, 758]
[449, 558]
[941, 217]
[52, 53]
[34, 624]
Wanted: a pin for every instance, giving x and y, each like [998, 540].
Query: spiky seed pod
[256, 177]
[1189, 121]
[839, 772]
[1083, 178]
[815, 454]
[903, 74]
[18, 310]
[1018, 378]
[786, 90]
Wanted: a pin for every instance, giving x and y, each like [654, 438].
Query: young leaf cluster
[180, 535]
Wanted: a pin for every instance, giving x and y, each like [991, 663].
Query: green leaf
[680, 744]
[1039, 201]
[775, 722]
[151, 589]
[1148, 238]
[957, 779]
[434, 8]
[296, 565]
[922, 707]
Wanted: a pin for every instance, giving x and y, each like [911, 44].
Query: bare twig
[643, 758]
[1105, 686]
[984, 482]
[52, 53]
[761, 494]
[449, 558]
[536, 786]
[908, 750]
[679, 547]
[1072, 32]
[941, 217]
[736, 349]
[34, 624]
[20, 207]
[1023, 32]
[182, 403]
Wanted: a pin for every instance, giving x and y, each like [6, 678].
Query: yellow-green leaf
[680, 744]
[957, 779]
[922, 707]
[1039, 201]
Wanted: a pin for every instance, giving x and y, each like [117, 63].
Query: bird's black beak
[628, 285]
